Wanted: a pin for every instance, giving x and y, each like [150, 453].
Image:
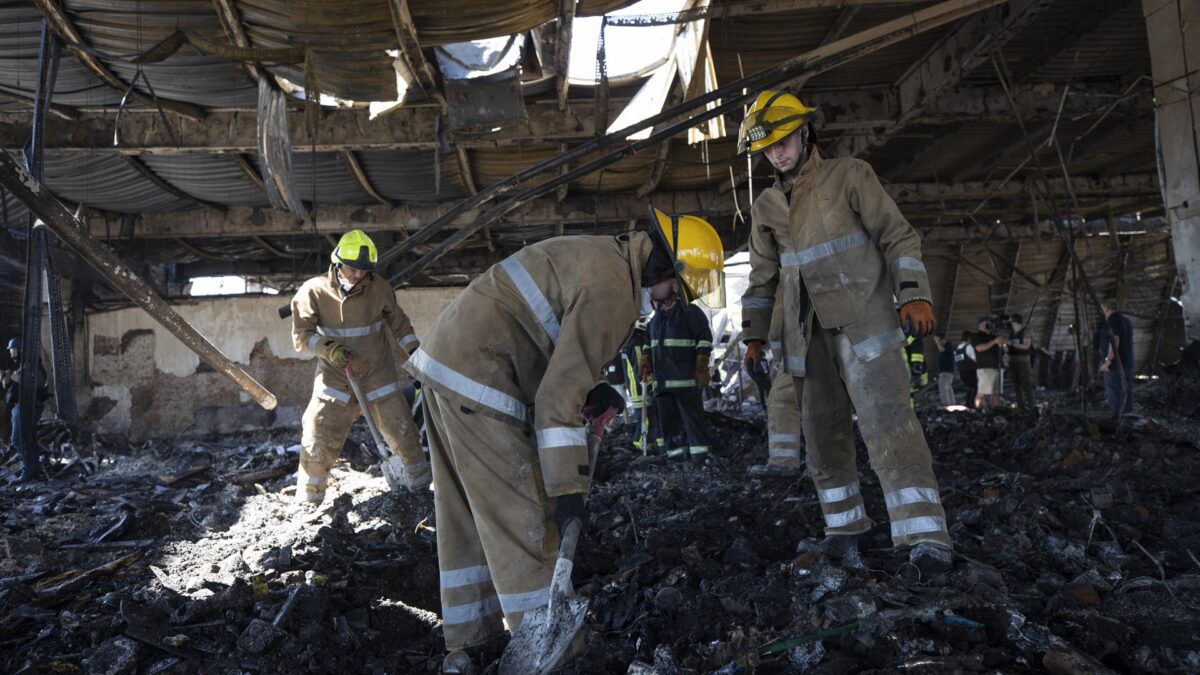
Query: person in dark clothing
[1116, 352]
[1020, 347]
[987, 362]
[945, 367]
[964, 360]
[631, 357]
[678, 345]
[30, 456]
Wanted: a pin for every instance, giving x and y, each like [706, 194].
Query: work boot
[838, 547]
[458, 662]
[773, 471]
[931, 558]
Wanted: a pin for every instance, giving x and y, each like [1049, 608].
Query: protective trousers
[496, 537]
[324, 428]
[681, 422]
[783, 422]
[946, 388]
[837, 384]
[1022, 382]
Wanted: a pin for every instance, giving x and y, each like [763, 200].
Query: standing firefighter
[349, 317]
[678, 346]
[510, 372]
[843, 255]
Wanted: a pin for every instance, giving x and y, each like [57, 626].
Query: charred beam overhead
[1091, 16]
[562, 50]
[66, 30]
[944, 66]
[860, 110]
[356, 170]
[919, 200]
[162, 184]
[231, 23]
[410, 51]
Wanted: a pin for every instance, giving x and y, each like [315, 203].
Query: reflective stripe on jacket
[364, 321]
[528, 339]
[674, 337]
[839, 248]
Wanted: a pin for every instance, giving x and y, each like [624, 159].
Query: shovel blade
[395, 474]
[544, 636]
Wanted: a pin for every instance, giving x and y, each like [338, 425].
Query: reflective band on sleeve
[361, 331]
[561, 437]
[339, 396]
[678, 384]
[678, 342]
[876, 345]
[533, 295]
[907, 263]
[776, 346]
[466, 576]
[758, 303]
[703, 344]
[408, 340]
[789, 453]
[921, 525]
[698, 449]
[466, 387]
[472, 611]
[795, 363]
[653, 344]
[313, 342]
[838, 494]
[815, 253]
[793, 439]
[383, 391]
[845, 518]
[676, 452]
[523, 602]
[911, 495]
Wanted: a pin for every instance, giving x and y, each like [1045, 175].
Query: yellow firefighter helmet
[772, 118]
[355, 249]
[699, 257]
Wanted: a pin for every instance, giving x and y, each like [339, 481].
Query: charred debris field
[1078, 552]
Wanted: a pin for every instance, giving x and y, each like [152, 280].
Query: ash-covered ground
[1078, 539]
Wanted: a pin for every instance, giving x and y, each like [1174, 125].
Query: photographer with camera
[1020, 347]
[987, 361]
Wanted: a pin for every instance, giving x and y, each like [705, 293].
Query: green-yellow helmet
[355, 249]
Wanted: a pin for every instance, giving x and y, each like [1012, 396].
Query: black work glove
[567, 507]
[600, 399]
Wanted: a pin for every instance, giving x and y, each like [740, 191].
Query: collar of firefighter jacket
[811, 166]
[638, 247]
[336, 284]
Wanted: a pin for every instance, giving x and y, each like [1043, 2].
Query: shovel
[547, 632]
[391, 465]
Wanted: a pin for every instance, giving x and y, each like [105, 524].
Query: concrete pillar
[1173, 27]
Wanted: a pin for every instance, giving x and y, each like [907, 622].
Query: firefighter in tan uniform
[510, 372]
[349, 316]
[841, 255]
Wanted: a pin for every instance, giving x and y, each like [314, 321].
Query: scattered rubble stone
[1074, 537]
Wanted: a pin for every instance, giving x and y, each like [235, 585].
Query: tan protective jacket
[528, 339]
[363, 321]
[840, 248]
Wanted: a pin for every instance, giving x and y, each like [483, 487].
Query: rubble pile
[1078, 542]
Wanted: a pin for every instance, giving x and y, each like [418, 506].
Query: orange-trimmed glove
[916, 318]
[754, 355]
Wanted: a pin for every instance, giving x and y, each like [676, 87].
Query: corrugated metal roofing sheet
[106, 181]
[209, 177]
[408, 175]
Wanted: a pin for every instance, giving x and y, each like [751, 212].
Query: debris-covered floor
[1075, 537]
